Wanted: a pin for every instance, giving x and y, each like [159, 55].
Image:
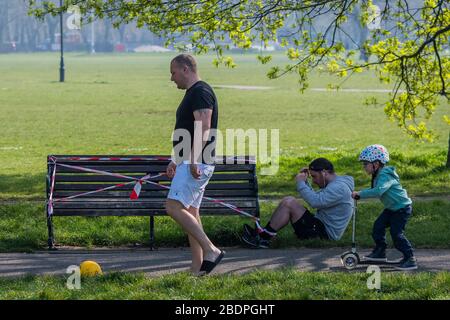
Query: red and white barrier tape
[50, 199]
[138, 185]
[135, 180]
[97, 171]
[110, 158]
[93, 191]
[107, 188]
[136, 190]
[260, 229]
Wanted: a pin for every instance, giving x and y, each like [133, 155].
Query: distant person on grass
[190, 173]
[333, 202]
[397, 206]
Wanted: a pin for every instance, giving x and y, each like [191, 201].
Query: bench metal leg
[51, 238]
[152, 232]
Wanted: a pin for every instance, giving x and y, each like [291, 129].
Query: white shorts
[188, 190]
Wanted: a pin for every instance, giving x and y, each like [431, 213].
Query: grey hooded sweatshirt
[334, 203]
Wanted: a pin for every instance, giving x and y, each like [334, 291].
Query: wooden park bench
[105, 189]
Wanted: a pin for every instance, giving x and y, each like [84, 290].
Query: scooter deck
[388, 262]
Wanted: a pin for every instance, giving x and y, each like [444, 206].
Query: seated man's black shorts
[309, 227]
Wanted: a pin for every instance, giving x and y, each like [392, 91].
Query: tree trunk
[122, 33]
[448, 152]
[32, 34]
[3, 19]
[52, 23]
[107, 24]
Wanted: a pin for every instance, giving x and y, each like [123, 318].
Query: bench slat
[151, 158]
[98, 178]
[95, 178]
[143, 205]
[156, 194]
[146, 199]
[116, 169]
[96, 186]
[141, 212]
[142, 167]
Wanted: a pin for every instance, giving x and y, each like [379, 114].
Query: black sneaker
[407, 264]
[255, 241]
[249, 231]
[378, 254]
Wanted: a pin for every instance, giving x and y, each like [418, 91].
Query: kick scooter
[351, 259]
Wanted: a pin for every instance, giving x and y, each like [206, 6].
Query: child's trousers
[396, 220]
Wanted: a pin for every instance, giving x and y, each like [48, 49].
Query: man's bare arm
[204, 116]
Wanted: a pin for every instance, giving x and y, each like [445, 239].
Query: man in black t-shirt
[192, 162]
[199, 106]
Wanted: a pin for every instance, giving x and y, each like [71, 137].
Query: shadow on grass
[27, 186]
[20, 244]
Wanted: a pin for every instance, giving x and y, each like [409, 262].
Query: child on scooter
[397, 206]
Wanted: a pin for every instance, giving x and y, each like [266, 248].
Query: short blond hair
[187, 60]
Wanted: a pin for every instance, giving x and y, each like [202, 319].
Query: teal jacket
[387, 187]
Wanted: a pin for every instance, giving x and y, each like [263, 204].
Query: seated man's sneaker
[263, 244]
[378, 254]
[407, 264]
[255, 241]
[249, 231]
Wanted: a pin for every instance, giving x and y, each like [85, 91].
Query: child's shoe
[378, 254]
[408, 263]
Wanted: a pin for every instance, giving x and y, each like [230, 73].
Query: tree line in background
[21, 32]
[404, 42]
[407, 43]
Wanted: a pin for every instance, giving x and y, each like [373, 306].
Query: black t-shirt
[199, 96]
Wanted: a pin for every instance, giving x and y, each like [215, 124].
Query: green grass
[125, 104]
[285, 284]
[24, 229]
[420, 175]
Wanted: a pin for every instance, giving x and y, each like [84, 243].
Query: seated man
[333, 202]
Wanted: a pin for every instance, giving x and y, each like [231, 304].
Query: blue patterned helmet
[373, 153]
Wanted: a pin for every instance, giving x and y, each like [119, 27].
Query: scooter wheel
[350, 261]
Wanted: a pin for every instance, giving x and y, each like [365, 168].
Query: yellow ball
[90, 268]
